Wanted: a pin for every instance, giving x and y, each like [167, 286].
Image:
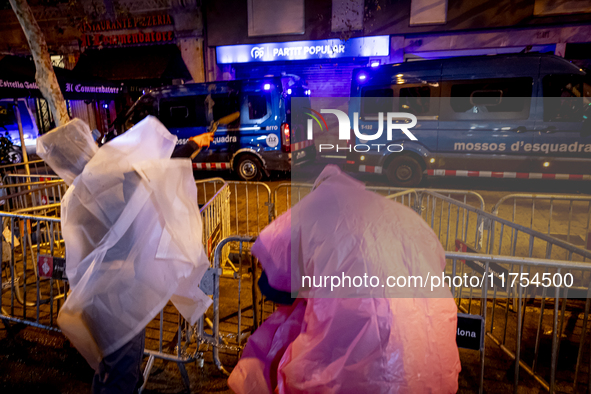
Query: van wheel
[404, 171]
[249, 168]
[15, 156]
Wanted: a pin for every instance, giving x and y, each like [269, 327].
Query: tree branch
[45, 76]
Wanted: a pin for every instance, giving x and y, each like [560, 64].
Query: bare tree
[45, 76]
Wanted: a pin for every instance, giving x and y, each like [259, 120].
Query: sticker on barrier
[470, 332]
[52, 267]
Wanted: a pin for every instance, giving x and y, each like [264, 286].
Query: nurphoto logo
[345, 129]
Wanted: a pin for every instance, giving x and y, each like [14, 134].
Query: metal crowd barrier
[505, 246]
[521, 252]
[287, 195]
[506, 329]
[541, 212]
[27, 297]
[35, 167]
[227, 338]
[30, 298]
[18, 196]
[457, 217]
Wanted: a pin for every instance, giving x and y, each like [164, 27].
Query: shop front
[90, 99]
[138, 53]
[326, 65]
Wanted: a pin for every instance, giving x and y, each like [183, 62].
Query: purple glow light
[267, 86]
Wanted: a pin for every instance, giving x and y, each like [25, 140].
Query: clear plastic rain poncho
[351, 339]
[132, 230]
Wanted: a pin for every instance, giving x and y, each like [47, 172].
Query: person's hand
[202, 140]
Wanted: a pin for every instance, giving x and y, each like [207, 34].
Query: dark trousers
[120, 372]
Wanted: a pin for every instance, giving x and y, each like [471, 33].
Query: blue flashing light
[267, 86]
[362, 77]
[375, 64]
[105, 106]
[288, 91]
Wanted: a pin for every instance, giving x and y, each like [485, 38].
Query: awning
[17, 79]
[147, 63]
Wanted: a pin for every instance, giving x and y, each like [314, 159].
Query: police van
[264, 138]
[9, 128]
[507, 116]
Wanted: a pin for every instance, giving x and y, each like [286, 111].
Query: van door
[484, 124]
[226, 140]
[562, 142]
[184, 116]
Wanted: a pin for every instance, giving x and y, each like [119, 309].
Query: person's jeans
[120, 372]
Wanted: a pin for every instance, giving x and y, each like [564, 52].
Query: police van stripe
[301, 145]
[372, 169]
[211, 166]
[515, 175]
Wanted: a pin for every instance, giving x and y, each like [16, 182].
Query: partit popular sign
[127, 38]
[304, 50]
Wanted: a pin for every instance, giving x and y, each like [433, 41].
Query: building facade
[136, 44]
[305, 37]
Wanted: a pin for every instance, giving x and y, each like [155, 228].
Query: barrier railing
[29, 297]
[18, 196]
[232, 340]
[287, 195]
[508, 330]
[465, 227]
[35, 167]
[32, 298]
[563, 216]
[457, 217]
[505, 331]
[177, 340]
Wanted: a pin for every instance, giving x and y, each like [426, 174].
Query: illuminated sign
[128, 33]
[127, 23]
[304, 50]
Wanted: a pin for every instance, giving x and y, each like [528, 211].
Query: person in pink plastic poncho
[350, 339]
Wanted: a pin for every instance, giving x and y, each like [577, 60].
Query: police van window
[566, 98]
[415, 100]
[257, 106]
[180, 112]
[490, 99]
[143, 107]
[225, 104]
[376, 100]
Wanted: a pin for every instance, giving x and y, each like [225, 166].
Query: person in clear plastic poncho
[350, 339]
[133, 236]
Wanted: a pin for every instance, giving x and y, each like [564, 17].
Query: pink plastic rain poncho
[132, 231]
[391, 341]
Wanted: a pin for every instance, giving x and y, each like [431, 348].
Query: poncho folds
[351, 339]
[132, 231]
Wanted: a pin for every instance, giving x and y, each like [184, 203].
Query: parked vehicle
[9, 128]
[265, 137]
[509, 116]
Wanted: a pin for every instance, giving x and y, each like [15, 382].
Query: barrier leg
[184, 376]
[146, 374]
